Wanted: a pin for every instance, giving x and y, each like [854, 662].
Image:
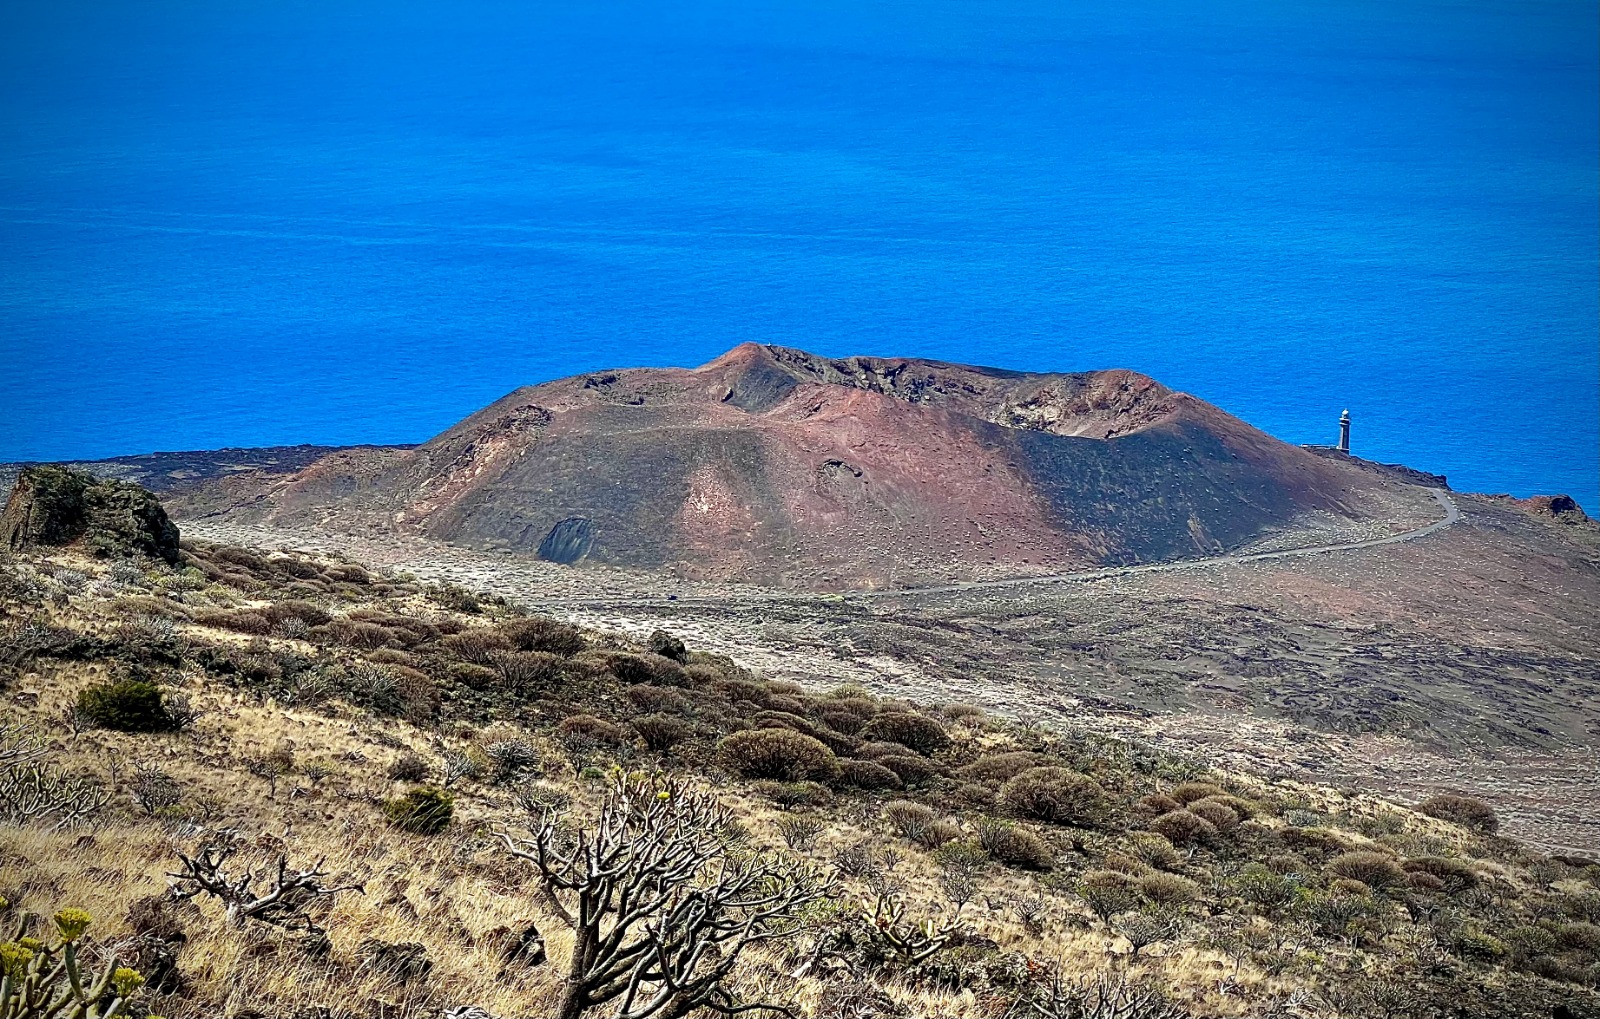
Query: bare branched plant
[273, 893]
[662, 901]
[38, 793]
[1105, 996]
[906, 942]
[153, 789]
[799, 832]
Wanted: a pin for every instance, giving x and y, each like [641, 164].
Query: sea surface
[229, 223]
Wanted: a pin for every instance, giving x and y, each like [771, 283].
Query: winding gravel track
[1451, 515]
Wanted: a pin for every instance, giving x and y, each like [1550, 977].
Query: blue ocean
[230, 223]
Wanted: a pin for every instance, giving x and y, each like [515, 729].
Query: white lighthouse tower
[1344, 432]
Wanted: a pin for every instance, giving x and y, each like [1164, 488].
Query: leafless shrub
[37, 793]
[660, 906]
[1106, 996]
[153, 789]
[800, 832]
[272, 893]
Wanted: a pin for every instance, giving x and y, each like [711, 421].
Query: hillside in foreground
[483, 783]
[776, 466]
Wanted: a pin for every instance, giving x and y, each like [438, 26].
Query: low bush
[908, 818]
[662, 732]
[294, 608]
[1453, 876]
[1107, 893]
[238, 620]
[1014, 845]
[525, 672]
[128, 705]
[476, 645]
[912, 771]
[660, 700]
[868, 775]
[1374, 870]
[1056, 795]
[541, 633]
[789, 795]
[356, 634]
[1000, 767]
[918, 732]
[1153, 850]
[1168, 891]
[409, 767]
[1469, 812]
[652, 669]
[1155, 804]
[425, 810]
[589, 730]
[1181, 828]
[1188, 792]
[1221, 816]
[478, 677]
[778, 754]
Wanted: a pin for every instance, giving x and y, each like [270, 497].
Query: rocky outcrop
[59, 506]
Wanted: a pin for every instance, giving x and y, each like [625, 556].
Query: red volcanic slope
[777, 466]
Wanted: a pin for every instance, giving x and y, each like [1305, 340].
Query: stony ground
[1468, 659]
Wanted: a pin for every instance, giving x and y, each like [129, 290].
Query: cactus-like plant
[44, 980]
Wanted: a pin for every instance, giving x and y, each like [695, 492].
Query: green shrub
[868, 775]
[919, 732]
[128, 705]
[1467, 811]
[1454, 876]
[1181, 828]
[1107, 893]
[425, 810]
[581, 729]
[778, 754]
[1168, 891]
[736, 690]
[653, 669]
[789, 795]
[662, 732]
[294, 608]
[1221, 816]
[1153, 850]
[1471, 943]
[908, 818]
[911, 771]
[1155, 804]
[1187, 792]
[1000, 767]
[1014, 845]
[541, 633]
[246, 621]
[478, 677]
[1056, 795]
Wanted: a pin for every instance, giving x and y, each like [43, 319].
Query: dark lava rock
[568, 541]
[404, 961]
[58, 506]
[527, 949]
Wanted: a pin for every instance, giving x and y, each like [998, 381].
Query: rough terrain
[1465, 657]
